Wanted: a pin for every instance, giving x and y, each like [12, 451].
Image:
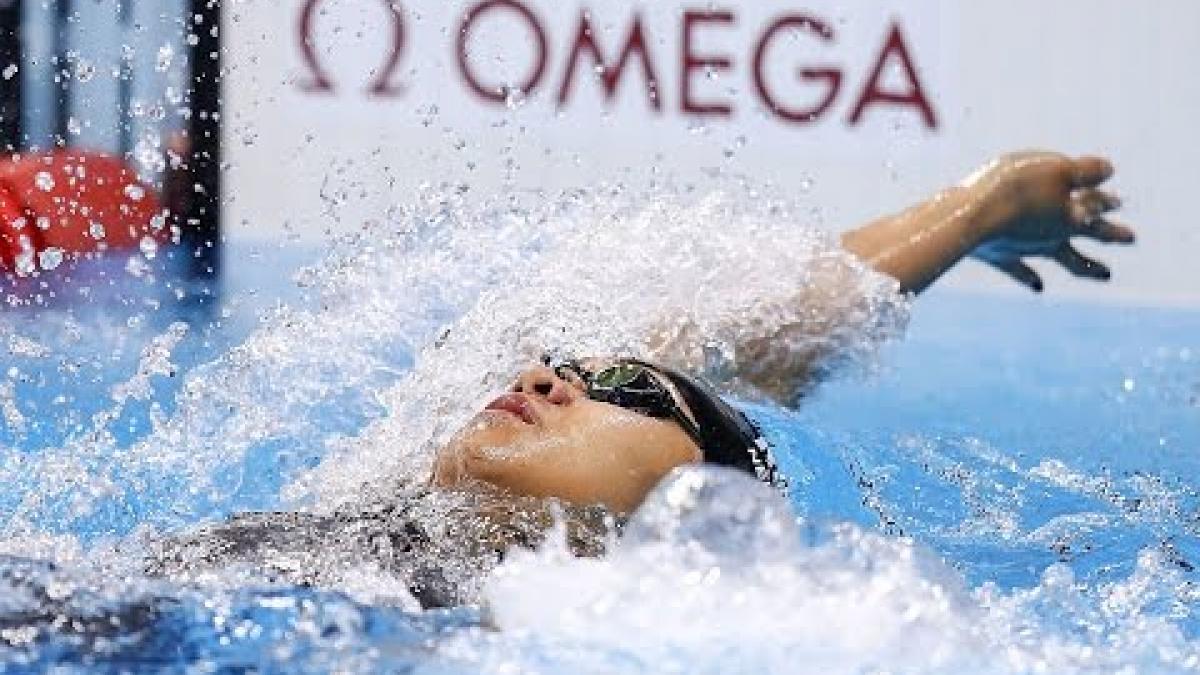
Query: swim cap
[727, 436]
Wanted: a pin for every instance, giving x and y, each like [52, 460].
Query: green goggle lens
[617, 376]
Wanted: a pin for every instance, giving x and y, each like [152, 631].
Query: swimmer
[604, 431]
[596, 434]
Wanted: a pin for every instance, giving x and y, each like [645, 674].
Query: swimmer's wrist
[998, 194]
[978, 212]
[989, 207]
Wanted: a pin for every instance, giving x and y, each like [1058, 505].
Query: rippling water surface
[1010, 486]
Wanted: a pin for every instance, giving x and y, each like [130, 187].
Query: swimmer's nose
[543, 383]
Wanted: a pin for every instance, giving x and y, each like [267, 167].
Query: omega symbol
[319, 80]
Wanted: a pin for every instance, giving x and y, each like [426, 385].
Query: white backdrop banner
[337, 110]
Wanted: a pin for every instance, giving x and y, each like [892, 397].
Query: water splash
[714, 576]
[401, 334]
[409, 327]
[728, 286]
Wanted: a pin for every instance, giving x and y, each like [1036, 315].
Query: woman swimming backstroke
[606, 431]
[596, 433]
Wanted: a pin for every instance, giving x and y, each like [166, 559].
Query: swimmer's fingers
[1087, 172]
[1020, 272]
[1108, 232]
[1089, 204]
[1087, 209]
[1081, 265]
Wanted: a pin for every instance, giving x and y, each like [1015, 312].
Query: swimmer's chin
[476, 460]
[488, 441]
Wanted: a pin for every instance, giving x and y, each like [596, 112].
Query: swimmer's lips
[515, 404]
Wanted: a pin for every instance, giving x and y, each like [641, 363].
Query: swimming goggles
[630, 385]
[724, 434]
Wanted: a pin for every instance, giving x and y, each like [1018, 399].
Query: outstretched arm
[1021, 205]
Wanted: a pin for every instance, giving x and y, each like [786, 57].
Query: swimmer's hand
[1036, 203]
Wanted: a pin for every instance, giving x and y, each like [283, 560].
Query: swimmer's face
[546, 438]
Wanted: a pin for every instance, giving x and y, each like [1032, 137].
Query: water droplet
[193, 39]
[96, 230]
[74, 127]
[135, 192]
[148, 246]
[136, 266]
[44, 181]
[514, 98]
[50, 258]
[165, 56]
[1128, 384]
[84, 71]
[25, 263]
[10, 70]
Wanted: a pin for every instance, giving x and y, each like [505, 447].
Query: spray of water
[735, 288]
[410, 328]
[714, 575]
[339, 401]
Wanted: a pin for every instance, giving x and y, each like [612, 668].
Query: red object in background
[77, 201]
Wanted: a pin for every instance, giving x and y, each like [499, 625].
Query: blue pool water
[1013, 488]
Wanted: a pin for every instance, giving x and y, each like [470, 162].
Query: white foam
[715, 577]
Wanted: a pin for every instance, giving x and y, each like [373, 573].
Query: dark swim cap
[727, 436]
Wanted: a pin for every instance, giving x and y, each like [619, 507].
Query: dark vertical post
[202, 226]
[10, 78]
[62, 70]
[125, 84]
